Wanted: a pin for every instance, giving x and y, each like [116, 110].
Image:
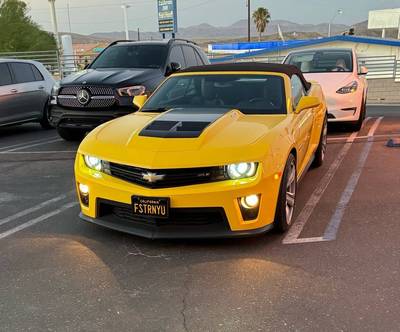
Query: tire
[285, 208]
[356, 126]
[71, 134]
[321, 149]
[44, 121]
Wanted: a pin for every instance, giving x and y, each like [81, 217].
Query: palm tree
[261, 18]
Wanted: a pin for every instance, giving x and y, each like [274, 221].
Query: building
[364, 46]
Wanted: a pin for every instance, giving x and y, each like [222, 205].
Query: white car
[25, 90]
[343, 81]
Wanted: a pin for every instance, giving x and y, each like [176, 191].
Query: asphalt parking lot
[338, 269]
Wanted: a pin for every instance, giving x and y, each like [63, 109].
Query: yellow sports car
[216, 151]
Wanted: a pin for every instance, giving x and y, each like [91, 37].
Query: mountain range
[205, 33]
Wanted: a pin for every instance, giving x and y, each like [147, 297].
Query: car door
[303, 121]
[30, 92]
[8, 96]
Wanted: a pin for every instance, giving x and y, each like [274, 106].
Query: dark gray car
[25, 89]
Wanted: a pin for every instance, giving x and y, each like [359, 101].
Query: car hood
[331, 82]
[114, 77]
[230, 136]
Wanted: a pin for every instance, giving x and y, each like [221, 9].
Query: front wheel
[44, 121]
[71, 134]
[356, 126]
[323, 143]
[287, 196]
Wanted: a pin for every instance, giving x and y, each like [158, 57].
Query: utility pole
[248, 20]
[125, 9]
[339, 12]
[54, 22]
[69, 17]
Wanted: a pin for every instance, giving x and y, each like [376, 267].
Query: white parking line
[292, 236]
[25, 143]
[37, 220]
[294, 232]
[338, 139]
[334, 224]
[33, 145]
[32, 209]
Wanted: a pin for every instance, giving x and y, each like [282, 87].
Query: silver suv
[25, 89]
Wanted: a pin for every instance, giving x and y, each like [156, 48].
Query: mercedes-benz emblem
[83, 97]
[152, 177]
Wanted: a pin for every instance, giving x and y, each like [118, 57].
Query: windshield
[131, 56]
[251, 94]
[322, 61]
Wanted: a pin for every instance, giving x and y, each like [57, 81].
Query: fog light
[84, 189]
[250, 202]
[84, 194]
[249, 207]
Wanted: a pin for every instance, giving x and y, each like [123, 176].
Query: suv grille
[100, 97]
[166, 178]
[94, 90]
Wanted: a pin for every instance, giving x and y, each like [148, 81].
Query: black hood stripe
[183, 122]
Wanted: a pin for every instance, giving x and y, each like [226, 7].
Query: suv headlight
[132, 91]
[349, 88]
[55, 89]
[241, 170]
[93, 163]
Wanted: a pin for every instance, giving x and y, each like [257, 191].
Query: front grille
[171, 177]
[94, 90]
[95, 102]
[101, 97]
[177, 216]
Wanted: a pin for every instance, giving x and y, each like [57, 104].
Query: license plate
[151, 206]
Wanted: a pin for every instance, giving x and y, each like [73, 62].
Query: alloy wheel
[290, 193]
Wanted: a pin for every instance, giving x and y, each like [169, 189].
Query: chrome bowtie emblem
[83, 97]
[152, 177]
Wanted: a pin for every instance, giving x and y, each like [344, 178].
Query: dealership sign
[167, 16]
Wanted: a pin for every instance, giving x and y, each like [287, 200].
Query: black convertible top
[289, 70]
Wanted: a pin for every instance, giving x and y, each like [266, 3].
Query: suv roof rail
[183, 40]
[121, 41]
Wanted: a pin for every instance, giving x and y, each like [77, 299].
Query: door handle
[13, 90]
[41, 87]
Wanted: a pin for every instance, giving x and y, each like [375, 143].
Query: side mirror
[363, 70]
[139, 101]
[307, 102]
[173, 67]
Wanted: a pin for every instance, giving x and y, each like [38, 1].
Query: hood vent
[179, 123]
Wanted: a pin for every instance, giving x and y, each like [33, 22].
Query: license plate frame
[153, 207]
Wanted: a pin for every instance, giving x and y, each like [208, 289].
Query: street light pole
[248, 20]
[125, 9]
[54, 22]
[339, 12]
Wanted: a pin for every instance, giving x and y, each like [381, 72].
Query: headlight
[93, 163]
[131, 91]
[349, 88]
[241, 170]
[55, 89]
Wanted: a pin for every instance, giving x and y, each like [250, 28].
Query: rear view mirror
[139, 101]
[363, 70]
[307, 102]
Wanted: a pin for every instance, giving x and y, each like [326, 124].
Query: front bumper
[344, 108]
[84, 118]
[208, 210]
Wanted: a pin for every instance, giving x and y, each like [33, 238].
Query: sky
[89, 16]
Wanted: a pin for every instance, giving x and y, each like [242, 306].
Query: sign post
[167, 17]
